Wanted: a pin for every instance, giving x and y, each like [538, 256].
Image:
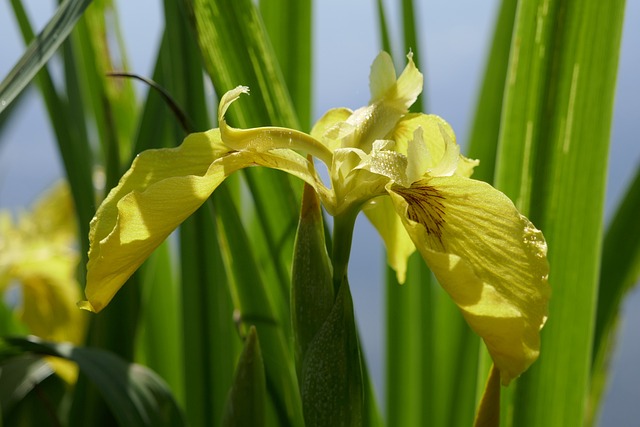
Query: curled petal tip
[86, 305]
[228, 98]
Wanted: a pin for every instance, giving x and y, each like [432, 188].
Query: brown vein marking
[426, 207]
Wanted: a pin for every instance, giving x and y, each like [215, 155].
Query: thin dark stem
[175, 108]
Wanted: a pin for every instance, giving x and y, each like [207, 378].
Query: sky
[454, 36]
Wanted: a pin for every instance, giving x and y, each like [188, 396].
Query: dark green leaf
[135, 395]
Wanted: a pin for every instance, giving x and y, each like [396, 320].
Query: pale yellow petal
[438, 137]
[418, 156]
[382, 215]
[389, 102]
[382, 77]
[488, 257]
[465, 166]
[384, 161]
[330, 129]
[399, 94]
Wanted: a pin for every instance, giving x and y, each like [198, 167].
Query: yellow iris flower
[39, 255]
[404, 170]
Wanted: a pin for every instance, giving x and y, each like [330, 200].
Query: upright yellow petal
[390, 100]
[488, 257]
[440, 142]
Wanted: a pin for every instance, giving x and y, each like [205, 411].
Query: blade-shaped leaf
[552, 162]
[41, 49]
[483, 140]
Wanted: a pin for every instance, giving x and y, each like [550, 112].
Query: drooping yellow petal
[162, 188]
[488, 257]
[382, 215]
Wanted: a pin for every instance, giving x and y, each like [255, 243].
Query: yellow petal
[162, 188]
[155, 195]
[444, 153]
[329, 128]
[399, 94]
[382, 77]
[390, 100]
[266, 138]
[382, 215]
[488, 257]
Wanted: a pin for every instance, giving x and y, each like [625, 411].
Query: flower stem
[342, 236]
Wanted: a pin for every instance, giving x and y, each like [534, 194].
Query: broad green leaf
[409, 345]
[135, 395]
[431, 352]
[211, 342]
[41, 49]
[552, 162]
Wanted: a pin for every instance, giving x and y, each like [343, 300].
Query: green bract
[404, 170]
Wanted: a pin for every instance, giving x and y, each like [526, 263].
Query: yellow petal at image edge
[490, 259]
[162, 188]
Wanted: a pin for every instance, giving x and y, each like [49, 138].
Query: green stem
[343, 225]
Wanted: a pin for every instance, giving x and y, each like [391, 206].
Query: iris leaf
[552, 162]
